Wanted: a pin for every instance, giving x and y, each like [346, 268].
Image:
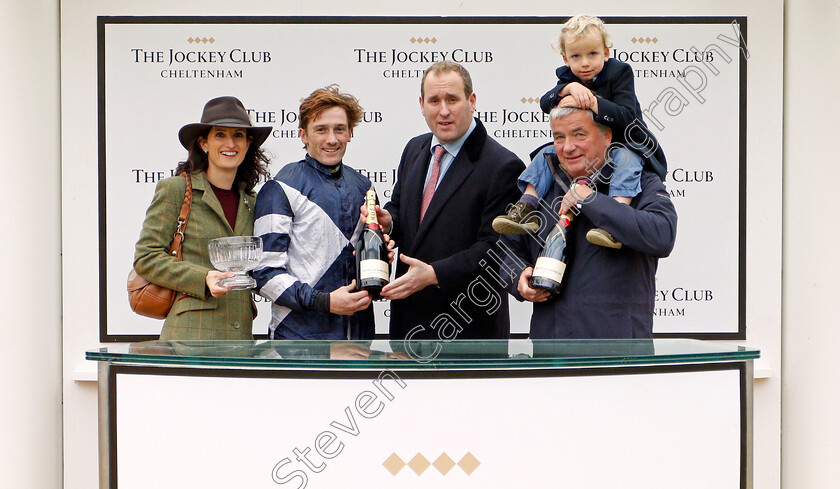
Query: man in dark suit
[451, 183]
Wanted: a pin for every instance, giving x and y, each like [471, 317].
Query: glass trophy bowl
[237, 254]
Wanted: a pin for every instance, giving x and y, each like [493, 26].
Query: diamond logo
[444, 464]
[419, 464]
[393, 464]
[469, 463]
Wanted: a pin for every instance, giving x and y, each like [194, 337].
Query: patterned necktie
[429, 191]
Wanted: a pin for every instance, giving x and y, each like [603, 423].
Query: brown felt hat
[223, 112]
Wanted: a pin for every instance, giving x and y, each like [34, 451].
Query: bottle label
[370, 200]
[373, 269]
[549, 268]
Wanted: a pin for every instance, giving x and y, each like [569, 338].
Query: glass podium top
[416, 354]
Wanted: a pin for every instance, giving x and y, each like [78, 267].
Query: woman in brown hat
[225, 162]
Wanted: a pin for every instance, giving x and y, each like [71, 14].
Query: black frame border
[102, 21]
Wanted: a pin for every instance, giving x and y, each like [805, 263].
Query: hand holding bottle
[382, 216]
[373, 255]
[526, 291]
[579, 193]
[346, 300]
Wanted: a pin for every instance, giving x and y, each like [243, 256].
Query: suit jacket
[454, 237]
[196, 314]
[605, 293]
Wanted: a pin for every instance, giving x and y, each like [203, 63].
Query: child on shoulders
[591, 80]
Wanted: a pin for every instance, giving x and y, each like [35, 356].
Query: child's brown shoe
[520, 219]
[598, 236]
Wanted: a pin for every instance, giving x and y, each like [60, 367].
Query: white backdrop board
[631, 427]
[155, 74]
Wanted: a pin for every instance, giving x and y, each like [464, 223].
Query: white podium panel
[665, 426]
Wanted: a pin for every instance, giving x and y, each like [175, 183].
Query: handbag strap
[183, 216]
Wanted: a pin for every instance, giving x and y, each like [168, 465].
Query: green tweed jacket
[196, 315]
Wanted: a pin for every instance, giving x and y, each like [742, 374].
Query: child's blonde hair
[577, 27]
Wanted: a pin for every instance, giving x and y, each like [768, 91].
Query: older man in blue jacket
[605, 293]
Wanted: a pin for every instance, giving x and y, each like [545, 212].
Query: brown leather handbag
[152, 300]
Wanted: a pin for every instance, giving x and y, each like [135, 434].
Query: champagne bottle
[551, 263]
[372, 269]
